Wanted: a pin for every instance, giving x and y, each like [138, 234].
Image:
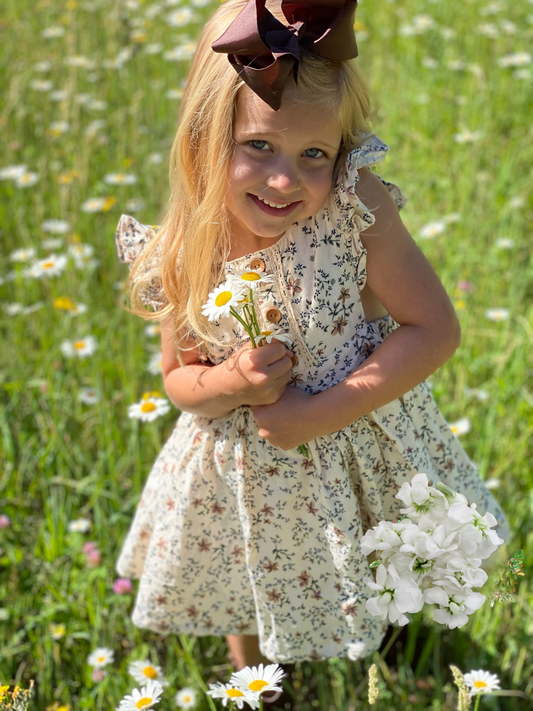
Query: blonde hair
[190, 250]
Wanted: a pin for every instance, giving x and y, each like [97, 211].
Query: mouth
[272, 208]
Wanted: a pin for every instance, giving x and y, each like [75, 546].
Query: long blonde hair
[190, 250]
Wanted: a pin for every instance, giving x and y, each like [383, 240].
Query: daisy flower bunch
[432, 556]
[248, 685]
[236, 298]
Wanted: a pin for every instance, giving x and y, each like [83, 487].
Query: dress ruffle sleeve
[131, 239]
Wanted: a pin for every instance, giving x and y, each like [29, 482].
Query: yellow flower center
[153, 393]
[148, 407]
[266, 333]
[480, 684]
[150, 672]
[223, 298]
[234, 693]
[186, 699]
[108, 204]
[63, 302]
[47, 265]
[258, 684]
[25, 178]
[79, 344]
[101, 659]
[250, 276]
[143, 703]
[120, 178]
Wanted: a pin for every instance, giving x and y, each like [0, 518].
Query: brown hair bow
[264, 51]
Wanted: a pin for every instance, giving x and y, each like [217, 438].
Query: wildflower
[396, 595]
[481, 682]
[467, 136]
[79, 348]
[432, 229]
[186, 698]
[80, 525]
[56, 227]
[22, 255]
[123, 586]
[259, 679]
[88, 396]
[504, 243]
[53, 32]
[155, 158]
[98, 675]
[155, 364]
[57, 631]
[174, 93]
[53, 265]
[41, 85]
[373, 691]
[135, 204]
[51, 243]
[153, 329]
[94, 558]
[89, 546]
[268, 336]
[227, 692]
[145, 671]
[251, 278]
[518, 59]
[181, 17]
[11, 172]
[153, 48]
[26, 180]
[492, 483]
[101, 657]
[181, 53]
[149, 409]
[5, 521]
[58, 128]
[95, 205]
[497, 314]
[13, 309]
[144, 698]
[120, 179]
[223, 300]
[460, 427]
[481, 395]
[465, 285]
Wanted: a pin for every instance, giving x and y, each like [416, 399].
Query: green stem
[254, 315]
[245, 324]
[478, 700]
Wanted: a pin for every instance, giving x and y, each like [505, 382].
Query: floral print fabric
[235, 536]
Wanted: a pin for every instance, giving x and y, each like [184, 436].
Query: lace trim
[308, 360]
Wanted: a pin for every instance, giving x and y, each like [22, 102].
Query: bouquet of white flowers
[433, 555]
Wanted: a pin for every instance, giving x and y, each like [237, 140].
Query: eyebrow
[258, 132]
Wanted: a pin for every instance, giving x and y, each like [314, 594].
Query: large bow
[264, 51]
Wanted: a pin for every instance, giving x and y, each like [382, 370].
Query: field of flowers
[90, 94]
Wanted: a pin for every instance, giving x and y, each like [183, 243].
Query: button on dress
[235, 536]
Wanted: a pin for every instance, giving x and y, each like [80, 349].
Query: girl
[237, 533]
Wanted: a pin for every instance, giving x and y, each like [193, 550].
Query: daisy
[22, 255]
[25, 180]
[135, 204]
[101, 657]
[80, 525]
[13, 309]
[52, 32]
[268, 336]
[174, 93]
[251, 278]
[41, 85]
[11, 172]
[259, 679]
[227, 692]
[120, 178]
[55, 227]
[155, 158]
[145, 671]
[518, 59]
[149, 409]
[57, 631]
[481, 682]
[81, 251]
[144, 698]
[181, 17]
[88, 396]
[504, 243]
[222, 300]
[186, 698]
[467, 136]
[94, 204]
[155, 364]
[153, 329]
[460, 427]
[181, 53]
[497, 314]
[79, 348]
[432, 229]
[53, 265]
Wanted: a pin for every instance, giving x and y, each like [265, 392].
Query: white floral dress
[235, 536]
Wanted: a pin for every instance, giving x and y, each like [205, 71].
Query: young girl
[237, 532]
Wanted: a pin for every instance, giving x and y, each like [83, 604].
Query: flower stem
[245, 324]
[254, 315]
[477, 702]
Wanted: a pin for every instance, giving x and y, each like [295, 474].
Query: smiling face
[282, 167]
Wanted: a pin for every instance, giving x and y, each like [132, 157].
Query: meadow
[90, 98]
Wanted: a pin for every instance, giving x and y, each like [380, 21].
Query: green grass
[61, 460]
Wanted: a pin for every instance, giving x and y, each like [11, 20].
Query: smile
[273, 208]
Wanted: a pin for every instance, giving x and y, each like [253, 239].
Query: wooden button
[257, 264]
[294, 361]
[273, 315]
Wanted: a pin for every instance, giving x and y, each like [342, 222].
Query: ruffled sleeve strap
[352, 213]
[131, 239]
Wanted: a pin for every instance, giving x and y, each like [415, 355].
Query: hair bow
[264, 51]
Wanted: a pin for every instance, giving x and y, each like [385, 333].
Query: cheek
[320, 183]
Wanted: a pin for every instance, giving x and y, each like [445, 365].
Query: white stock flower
[455, 606]
[420, 498]
[397, 595]
[475, 535]
[386, 537]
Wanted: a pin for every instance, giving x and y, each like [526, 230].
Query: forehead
[296, 118]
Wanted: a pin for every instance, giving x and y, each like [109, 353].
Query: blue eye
[317, 150]
[261, 147]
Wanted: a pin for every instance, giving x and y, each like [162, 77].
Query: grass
[61, 459]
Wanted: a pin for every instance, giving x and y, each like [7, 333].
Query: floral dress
[235, 536]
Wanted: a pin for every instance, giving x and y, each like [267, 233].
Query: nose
[284, 176]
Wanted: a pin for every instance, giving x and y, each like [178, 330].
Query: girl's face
[282, 168]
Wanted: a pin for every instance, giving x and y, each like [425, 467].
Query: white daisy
[53, 265]
[497, 314]
[186, 698]
[79, 348]
[481, 682]
[492, 483]
[155, 364]
[101, 657]
[155, 158]
[181, 53]
[518, 59]
[22, 255]
[135, 204]
[432, 229]
[13, 309]
[149, 409]
[467, 136]
[41, 85]
[52, 32]
[43, 66]
[504, 243]
[59, 95]
[181, 17]
[227, 692]
[52, 243]
[81, 251]
[481, 395]
[259, 679]
[251, 278]
[77, 309]
[222, 299]
[144, 698]
[153, 47]
[11, 172]
[144, 672]
[58, 128]
[153, 329]
[55, 227]
[94, 204]
[79, 525]
[88, 396]
[174, 93]
[269, 336]
[26, 180]
[120, 179]
[460, 427]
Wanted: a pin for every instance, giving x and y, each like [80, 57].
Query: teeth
[271, 204]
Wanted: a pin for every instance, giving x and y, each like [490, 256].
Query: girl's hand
[290, 421]
[258, 376]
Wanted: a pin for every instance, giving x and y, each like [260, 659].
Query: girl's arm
[252, 377]
[402, 279]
